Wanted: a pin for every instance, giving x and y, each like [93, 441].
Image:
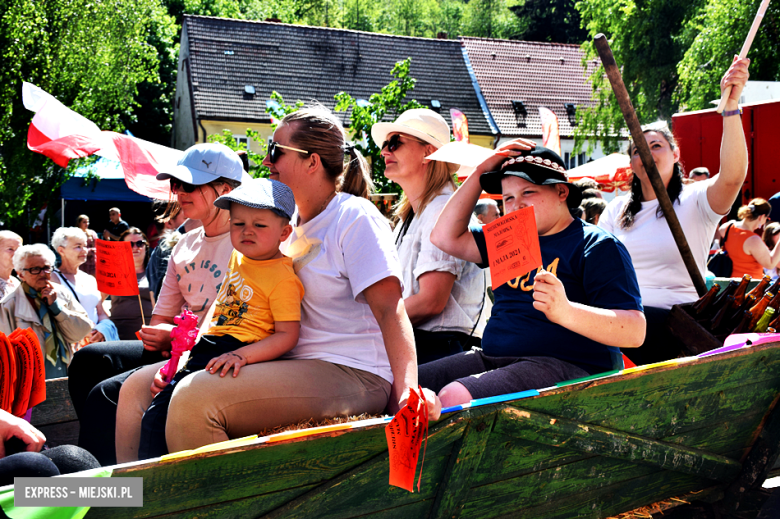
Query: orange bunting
[512, 246]
[404, 434]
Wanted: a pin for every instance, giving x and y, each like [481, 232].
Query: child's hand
[159, 383]
[226, 361]
[550, 297]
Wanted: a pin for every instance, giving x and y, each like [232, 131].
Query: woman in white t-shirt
[638, 222]
[443, 295]
[355, 353]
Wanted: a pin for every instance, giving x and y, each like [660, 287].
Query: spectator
[71, 244]
[592, 209]
[57, 318]
[82, 222]
[9, 242]
[125, 310]
[116, 226]
[591, 193]
[486, 210]
[748, 252]
[699, 174]
[771, 237]
[173, 221]
[588, 184]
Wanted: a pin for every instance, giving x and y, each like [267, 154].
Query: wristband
[729, 113]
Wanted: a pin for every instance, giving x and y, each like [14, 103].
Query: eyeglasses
[178, 185]
[37, 270]
[392, 144]
[274, 152]
[137, 244]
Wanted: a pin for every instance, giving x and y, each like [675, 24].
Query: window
[242, 139]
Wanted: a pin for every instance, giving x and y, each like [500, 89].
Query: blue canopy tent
[111, 185]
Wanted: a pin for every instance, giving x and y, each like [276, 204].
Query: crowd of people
[312, 304]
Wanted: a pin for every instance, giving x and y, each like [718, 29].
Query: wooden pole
[616, 80]
[745, 49]
[142, 308]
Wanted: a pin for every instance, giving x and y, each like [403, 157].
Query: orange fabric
[742, 263]
[27, 339]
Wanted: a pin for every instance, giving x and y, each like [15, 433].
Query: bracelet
[729, 113]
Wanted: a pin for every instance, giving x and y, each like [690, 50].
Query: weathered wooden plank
[590, 439]
[457, 478]
[694, 336]
[64, 433]
[57, 407]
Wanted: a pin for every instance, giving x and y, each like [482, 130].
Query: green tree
[648, 39]
[91, 56]
[549, 20]
[390, 103]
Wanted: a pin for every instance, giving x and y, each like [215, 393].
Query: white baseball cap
[206, 162]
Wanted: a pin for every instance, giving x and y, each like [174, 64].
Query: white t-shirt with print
[418, 256]
[195, 271]
[660, 271]
[338, 254]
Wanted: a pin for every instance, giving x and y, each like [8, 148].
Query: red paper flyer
[404, 436]
[114, 269]
[512, 246]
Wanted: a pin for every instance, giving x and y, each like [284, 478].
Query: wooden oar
[745, 49]
[616, 80]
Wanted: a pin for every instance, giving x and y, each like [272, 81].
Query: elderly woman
[355, 353]
[637, 219]
[125, 310]
[71, 244]
[197, 265]
[749, 254]
[56, 317]
[443, 295]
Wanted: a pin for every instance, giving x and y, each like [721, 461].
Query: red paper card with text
[114, 269]
[512, 246]
[404, 436]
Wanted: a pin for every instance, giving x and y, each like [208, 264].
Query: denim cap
[206, 162]
[261, 193]
[540, 166]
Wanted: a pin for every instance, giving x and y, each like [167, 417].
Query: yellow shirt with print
[254, 294]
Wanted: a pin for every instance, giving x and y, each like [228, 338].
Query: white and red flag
[61, 134]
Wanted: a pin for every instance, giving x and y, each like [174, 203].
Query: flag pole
[143, 321]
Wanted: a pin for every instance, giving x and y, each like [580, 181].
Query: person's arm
[435, 290]
[157, 335]
[733, 149]
[284, 339]
[72, 320]
[756, 247]
[11, 426]
[386, 302]
[621, 328]
[451, 232]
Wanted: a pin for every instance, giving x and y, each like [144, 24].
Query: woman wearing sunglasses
[125, 310]
[355, 348]
[443, 295]
[195, 270]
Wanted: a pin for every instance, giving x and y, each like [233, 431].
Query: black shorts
[486, 376]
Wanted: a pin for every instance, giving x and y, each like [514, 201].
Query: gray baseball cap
[206, 162]
[261, 193]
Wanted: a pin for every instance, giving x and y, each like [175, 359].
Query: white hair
[27, 251]
[483, 204]
[63, 234]
[10, 235]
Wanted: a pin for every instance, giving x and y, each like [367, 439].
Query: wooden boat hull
[591, 449]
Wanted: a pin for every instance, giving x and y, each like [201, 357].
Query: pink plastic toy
[183, 336]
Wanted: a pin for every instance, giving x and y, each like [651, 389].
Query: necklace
[326, 202]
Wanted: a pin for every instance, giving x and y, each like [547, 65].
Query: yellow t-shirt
[254, 294]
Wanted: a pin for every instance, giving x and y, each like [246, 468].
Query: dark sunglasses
[137, 244]
[37, 270]
[274, 152]
[392, 144]
[178, 185]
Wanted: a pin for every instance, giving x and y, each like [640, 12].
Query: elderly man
[486, 210]
[57, 319]
[9, 242]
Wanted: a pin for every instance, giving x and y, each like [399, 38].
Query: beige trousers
[208, 409]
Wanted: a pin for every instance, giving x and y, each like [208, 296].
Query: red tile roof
[539, 74]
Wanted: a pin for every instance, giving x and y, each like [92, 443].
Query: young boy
[258, 307]
[559, 322]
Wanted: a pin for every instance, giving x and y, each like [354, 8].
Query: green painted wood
[460, 469]
[592, 439]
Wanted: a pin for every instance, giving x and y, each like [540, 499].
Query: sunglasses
[37, 270]
[137, 244]
[178, 185]
[395, 142]
[274, 152]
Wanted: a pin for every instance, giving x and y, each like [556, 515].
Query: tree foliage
[549, 20]
[91, 56]
[388, 102]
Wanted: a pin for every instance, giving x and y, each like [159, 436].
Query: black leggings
[95, 376]
[64, 459]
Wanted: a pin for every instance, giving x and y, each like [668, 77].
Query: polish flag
[61, 134]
